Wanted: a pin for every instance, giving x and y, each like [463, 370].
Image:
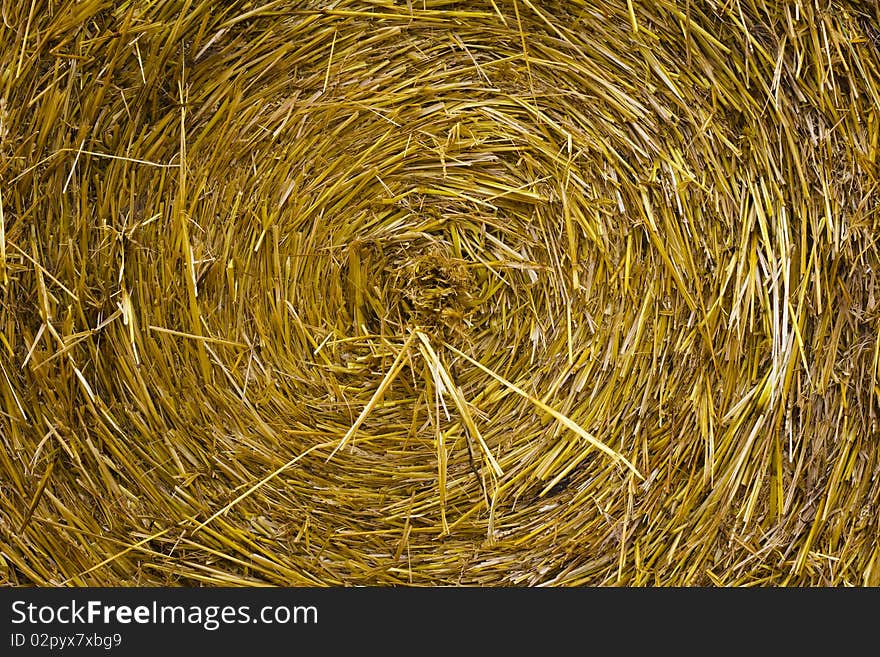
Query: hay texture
[491, 293]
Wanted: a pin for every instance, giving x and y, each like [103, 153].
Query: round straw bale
[500, 292]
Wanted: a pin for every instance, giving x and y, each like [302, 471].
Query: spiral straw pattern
[498, 292]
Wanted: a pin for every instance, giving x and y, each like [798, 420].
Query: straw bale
[497, 292]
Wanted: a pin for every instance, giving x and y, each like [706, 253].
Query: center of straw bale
[434, 290]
